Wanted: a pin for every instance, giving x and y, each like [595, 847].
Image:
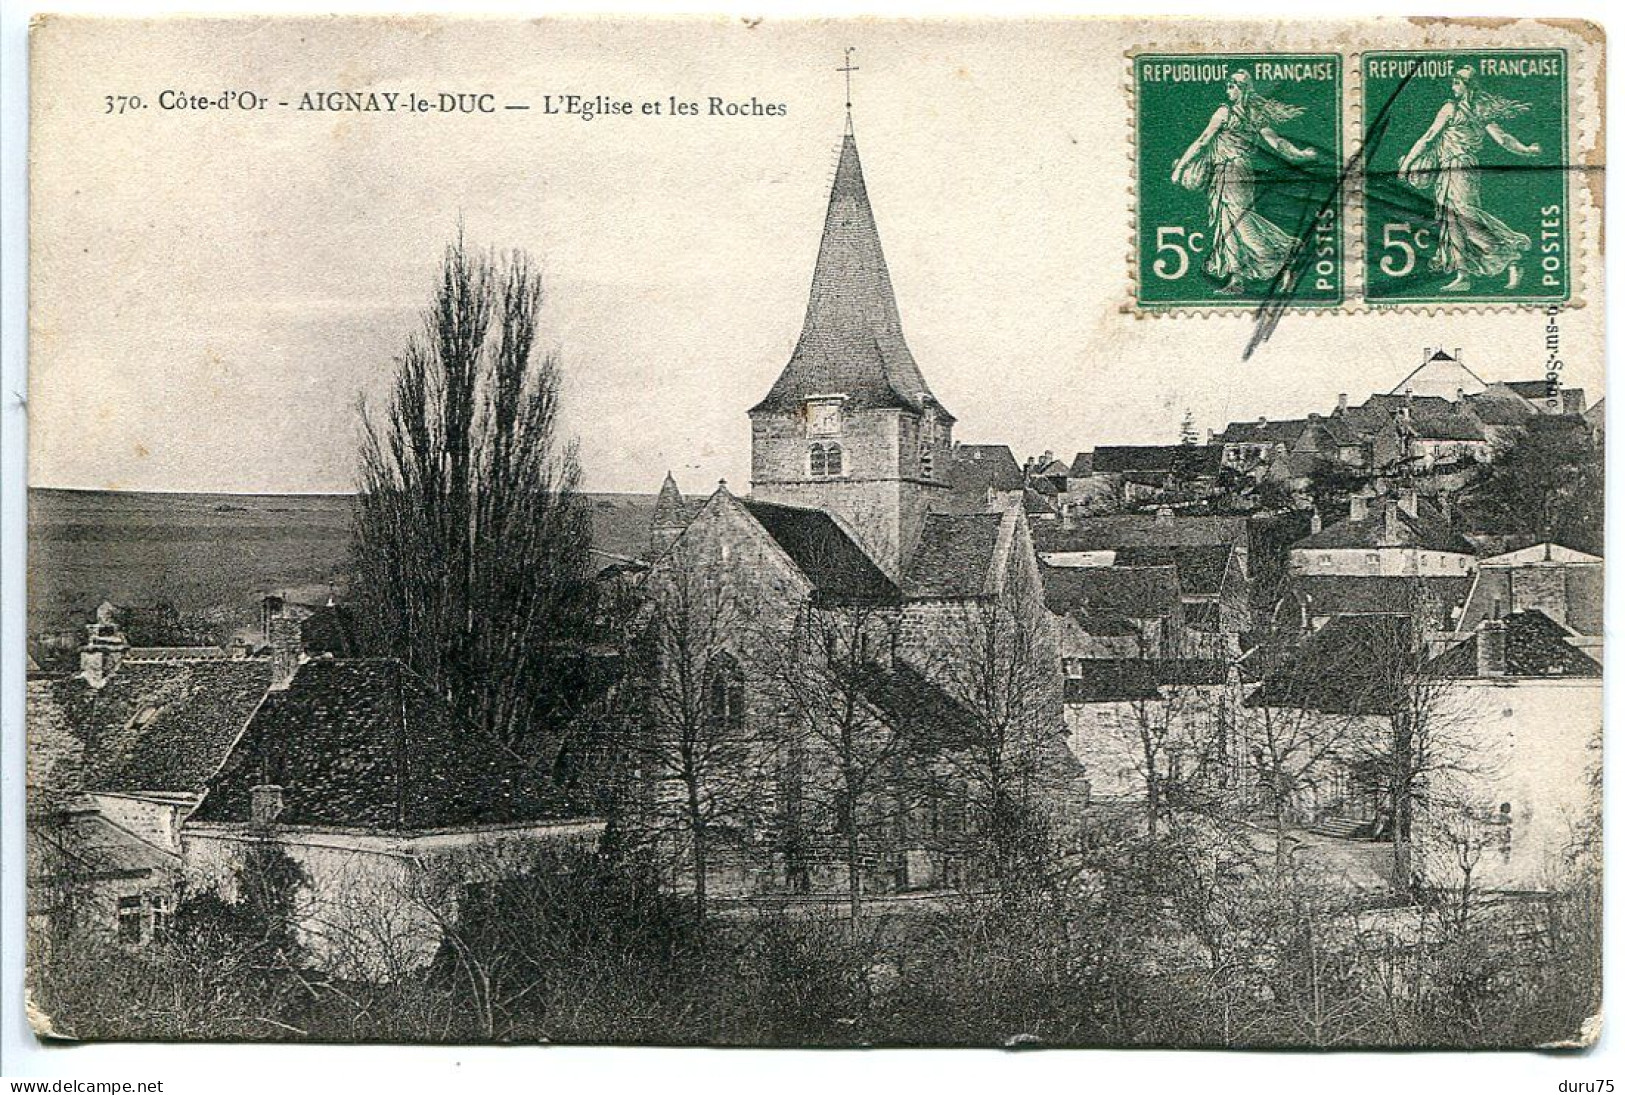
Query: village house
[352, 770]
[1564, 585]
[120, 753]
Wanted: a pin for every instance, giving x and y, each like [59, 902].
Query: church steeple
[851, 340]
[850, 426]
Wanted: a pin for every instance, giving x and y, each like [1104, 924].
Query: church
[858, 685]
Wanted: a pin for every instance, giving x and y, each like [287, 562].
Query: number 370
[1174, 251]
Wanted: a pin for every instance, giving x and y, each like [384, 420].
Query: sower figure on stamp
[1247, 246]
[1444, 163]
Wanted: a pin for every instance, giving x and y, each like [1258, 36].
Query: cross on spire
[848, 69]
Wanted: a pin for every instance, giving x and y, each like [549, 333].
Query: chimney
[1492, 647]
[287, 651]
[264, 805]
[1461, 394]
[104, 648]
[1314, 520]
[1263, 420]
[1390, 522]
[1342, 403]
[1407, 500]
[1359, 508]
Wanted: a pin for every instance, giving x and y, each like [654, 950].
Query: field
[213, 555]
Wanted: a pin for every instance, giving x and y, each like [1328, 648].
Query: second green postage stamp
[1237, 162]
[1466, 176]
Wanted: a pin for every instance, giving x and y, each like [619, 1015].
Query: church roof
[955, 555]
[852, 338]
[837, 568]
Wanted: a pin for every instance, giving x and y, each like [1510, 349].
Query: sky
[214, 293]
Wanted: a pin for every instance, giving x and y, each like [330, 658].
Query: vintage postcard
[816, 533]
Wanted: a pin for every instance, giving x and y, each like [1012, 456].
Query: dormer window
[824, 416]
[825, 460]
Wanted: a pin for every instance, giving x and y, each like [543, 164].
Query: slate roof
[1137, 593]
[366, 744]
[1201, 566]
[1572, 400]
[669, 509]
[1427, 530]
[852, 337]
[837, 568]
[1343, 594]
[1354, 665]
[153, 726]
[1083, 465]
[980, 467]
[331, 629]
[955, 555]
[1535, 647]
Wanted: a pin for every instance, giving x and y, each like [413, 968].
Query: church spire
[851, 340]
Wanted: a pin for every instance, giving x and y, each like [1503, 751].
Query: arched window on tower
[832, 460]
[817, 464]
[928, 443]
[725, 693]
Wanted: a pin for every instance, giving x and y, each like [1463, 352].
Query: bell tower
[850, 426]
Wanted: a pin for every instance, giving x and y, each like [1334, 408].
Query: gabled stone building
[852, 538]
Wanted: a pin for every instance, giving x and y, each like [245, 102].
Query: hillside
[213, 555]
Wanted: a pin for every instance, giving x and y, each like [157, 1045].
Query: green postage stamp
[1466, 165]
[1238, 158]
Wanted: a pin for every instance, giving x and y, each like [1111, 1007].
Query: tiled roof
[1354, 665]
[852, 338]
[1184, 459]
[1427, 530]
[1083, 465]
[1137, 593]
[1492, 410]
[55, 753]
[837, 568]
[980, 467]
[153, 726]
[366, 744]
[955, 555]
[916, 703]
[1535, 647]
[1447, 426]
[1115, 680]
[1201, 566]
[1284, 432]
[331, 629]
[176, 654]
[1342, 594]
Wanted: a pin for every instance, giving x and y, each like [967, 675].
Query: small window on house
[1325, 560]
[1371, 558]
[130, 920]
[832, 460]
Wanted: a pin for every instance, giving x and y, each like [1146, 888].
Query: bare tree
[703, 762]
[849, 731]
[471, 541]
[998, 667]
